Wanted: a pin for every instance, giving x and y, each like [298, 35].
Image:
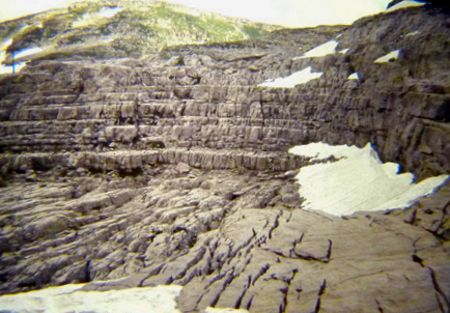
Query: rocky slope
[173, 169]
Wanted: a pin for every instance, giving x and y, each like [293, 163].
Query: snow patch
[357, 181]
[297, 78]
[414, 33]
[8, 69]
[404, 4]
[92, 18]
[5, 44]
[391, 56]
[354, 76]
[4, 69]
[27, 52]
[108, 12]
[18, 66]
[320, 51]
[344, 51]
[70, 298]
[319, 151]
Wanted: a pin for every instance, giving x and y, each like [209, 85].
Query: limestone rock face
[160, 171]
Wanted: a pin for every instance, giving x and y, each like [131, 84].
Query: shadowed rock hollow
[173, 169]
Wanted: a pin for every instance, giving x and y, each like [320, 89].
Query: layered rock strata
[174, 170]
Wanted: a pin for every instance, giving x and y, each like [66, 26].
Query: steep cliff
[174, 169]
[206, 97]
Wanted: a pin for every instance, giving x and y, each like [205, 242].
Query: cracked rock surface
[156, 171]
[232, 239]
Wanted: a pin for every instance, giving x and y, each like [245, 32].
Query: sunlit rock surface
[174, 169]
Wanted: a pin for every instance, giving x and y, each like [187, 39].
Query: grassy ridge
[140, 27]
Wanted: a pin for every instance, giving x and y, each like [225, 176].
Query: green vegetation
[8, 29]
[139, 28]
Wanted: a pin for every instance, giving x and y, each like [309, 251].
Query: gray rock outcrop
[157, 171]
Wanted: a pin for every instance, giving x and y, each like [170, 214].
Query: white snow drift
[297, 78]
[353, 76]
[358, 181]
[391, 56]
[5, 44]
[320, 51]
[27, 52]
[18, 66]
[414, 33]
[404, 4]
[92, 18]
[71, 298]
[8, 69]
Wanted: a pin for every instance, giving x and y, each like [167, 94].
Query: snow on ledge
[8, 69]
[320, 51]
[357, 181]
[414, 33]
[391, 56]
[91, 18]
[404, 4]
[6, 43]
[70, 298]
[354, 76]
[108, 12]
[73, 299]
[27, 52]
[297, 78]
[318, 151]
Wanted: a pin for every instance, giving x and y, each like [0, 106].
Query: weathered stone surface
[210, 100]
[156, 171]
[230, 238]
